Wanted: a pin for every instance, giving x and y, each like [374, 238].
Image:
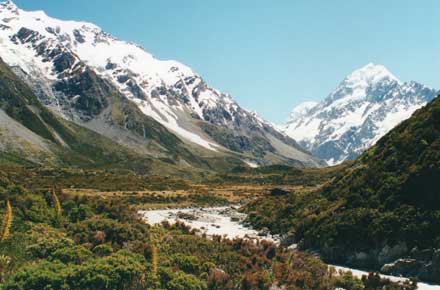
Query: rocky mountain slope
[364, 107]
[31, 134]
[121, 91]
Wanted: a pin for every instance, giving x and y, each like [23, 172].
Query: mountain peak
[370, 74]
[16, 18]
[8, 4]
[363, 108]
[302, 109]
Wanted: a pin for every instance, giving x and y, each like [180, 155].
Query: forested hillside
[382, 208]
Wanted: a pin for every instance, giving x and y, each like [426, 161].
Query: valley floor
[91, 222]
[227, 221]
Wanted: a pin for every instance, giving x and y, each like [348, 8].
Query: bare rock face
[87, 93]
[389, 254]
[435, 265]
[396, 260]
[408, 267]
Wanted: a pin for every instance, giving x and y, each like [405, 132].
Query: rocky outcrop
[87, 93]
[396, 260]
[424, 264]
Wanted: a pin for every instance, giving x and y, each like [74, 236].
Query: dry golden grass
[7, 221]
[233, 194]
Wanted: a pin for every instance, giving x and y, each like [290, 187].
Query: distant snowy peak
[358, 84]
[365, 106]
[302, 110]
[370, 74]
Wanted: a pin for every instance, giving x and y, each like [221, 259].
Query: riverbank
[228, 222]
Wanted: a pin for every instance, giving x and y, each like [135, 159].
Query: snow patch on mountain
[159, 110]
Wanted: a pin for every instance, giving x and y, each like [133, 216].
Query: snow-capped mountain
[364, 107]
[302, 110]
[76, 69]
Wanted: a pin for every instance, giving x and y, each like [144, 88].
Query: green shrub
[74, 254]
[182, 281]
[103, 250]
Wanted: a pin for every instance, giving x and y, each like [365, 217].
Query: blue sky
[272, 55]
